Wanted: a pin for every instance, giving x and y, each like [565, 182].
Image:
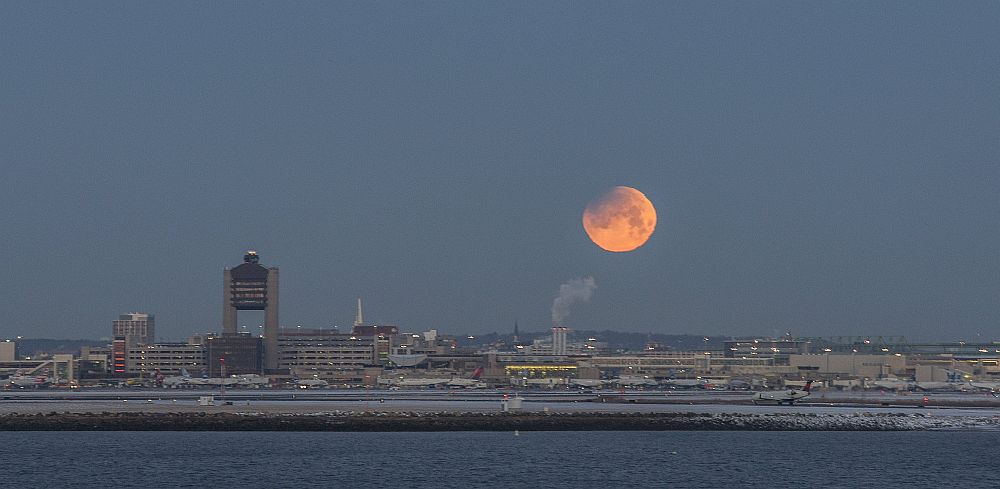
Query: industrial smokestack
[573, 291]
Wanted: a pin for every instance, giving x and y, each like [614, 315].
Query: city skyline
[824, 171]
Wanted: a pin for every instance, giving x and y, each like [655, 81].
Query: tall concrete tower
[359, 318]
[559, 340]
[251, 287]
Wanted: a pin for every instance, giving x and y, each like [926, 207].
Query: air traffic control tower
[251, 287]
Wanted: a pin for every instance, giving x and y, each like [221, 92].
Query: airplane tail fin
[184, 373]
[477, 373]
[808, 386]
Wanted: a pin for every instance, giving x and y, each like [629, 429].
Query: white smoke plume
[573, 291]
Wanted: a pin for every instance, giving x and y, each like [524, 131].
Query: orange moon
[621, 220]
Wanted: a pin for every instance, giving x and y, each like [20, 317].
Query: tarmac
[308, 402]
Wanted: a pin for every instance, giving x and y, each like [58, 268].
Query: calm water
[501, 460]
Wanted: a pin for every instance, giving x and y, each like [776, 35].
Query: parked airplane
[173, 381]
[252, 380]
[944, 386]
[685, 383]
[892, 384]
[783, 397]
[421, 382]
[466, 383]
[26, 381]
[430, 382]
[311, 383]
[635, 381]
[986, 386]
[186, 380]
[588, 382]
[472, 381]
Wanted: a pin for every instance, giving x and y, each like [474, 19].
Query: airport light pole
[222, 381]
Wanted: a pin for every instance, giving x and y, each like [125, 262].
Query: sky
[824, 169]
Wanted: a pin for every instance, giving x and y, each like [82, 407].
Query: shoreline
[361, 421]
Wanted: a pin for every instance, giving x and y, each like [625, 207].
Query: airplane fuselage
[789, 396]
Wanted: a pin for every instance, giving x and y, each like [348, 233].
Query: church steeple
[359, 318]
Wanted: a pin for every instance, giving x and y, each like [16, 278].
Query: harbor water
[508, 460]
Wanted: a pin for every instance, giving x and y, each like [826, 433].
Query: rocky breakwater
[449, 421]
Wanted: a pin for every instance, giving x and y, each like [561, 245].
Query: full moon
[620, 220]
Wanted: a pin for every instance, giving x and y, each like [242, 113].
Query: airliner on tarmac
[783, 397]
[186, 380]
[986, 386]
[311, 383]
[23, 381]
[697, 383]
[470, 382]
[892, 384]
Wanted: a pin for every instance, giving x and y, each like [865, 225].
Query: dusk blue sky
[829, 169]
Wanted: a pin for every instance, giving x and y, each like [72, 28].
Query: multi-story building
[63, 369]
[559, 340]
[848, 365]
[318, 352]
[382, 334]
[119, 356]
[137, 328]
[8, 351]
[374, 330]
[130, 331]
[236, 354]
[167, 359]
[779, 349]
[416, 344]
[94, 362]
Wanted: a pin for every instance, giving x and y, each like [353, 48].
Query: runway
[30, 401]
